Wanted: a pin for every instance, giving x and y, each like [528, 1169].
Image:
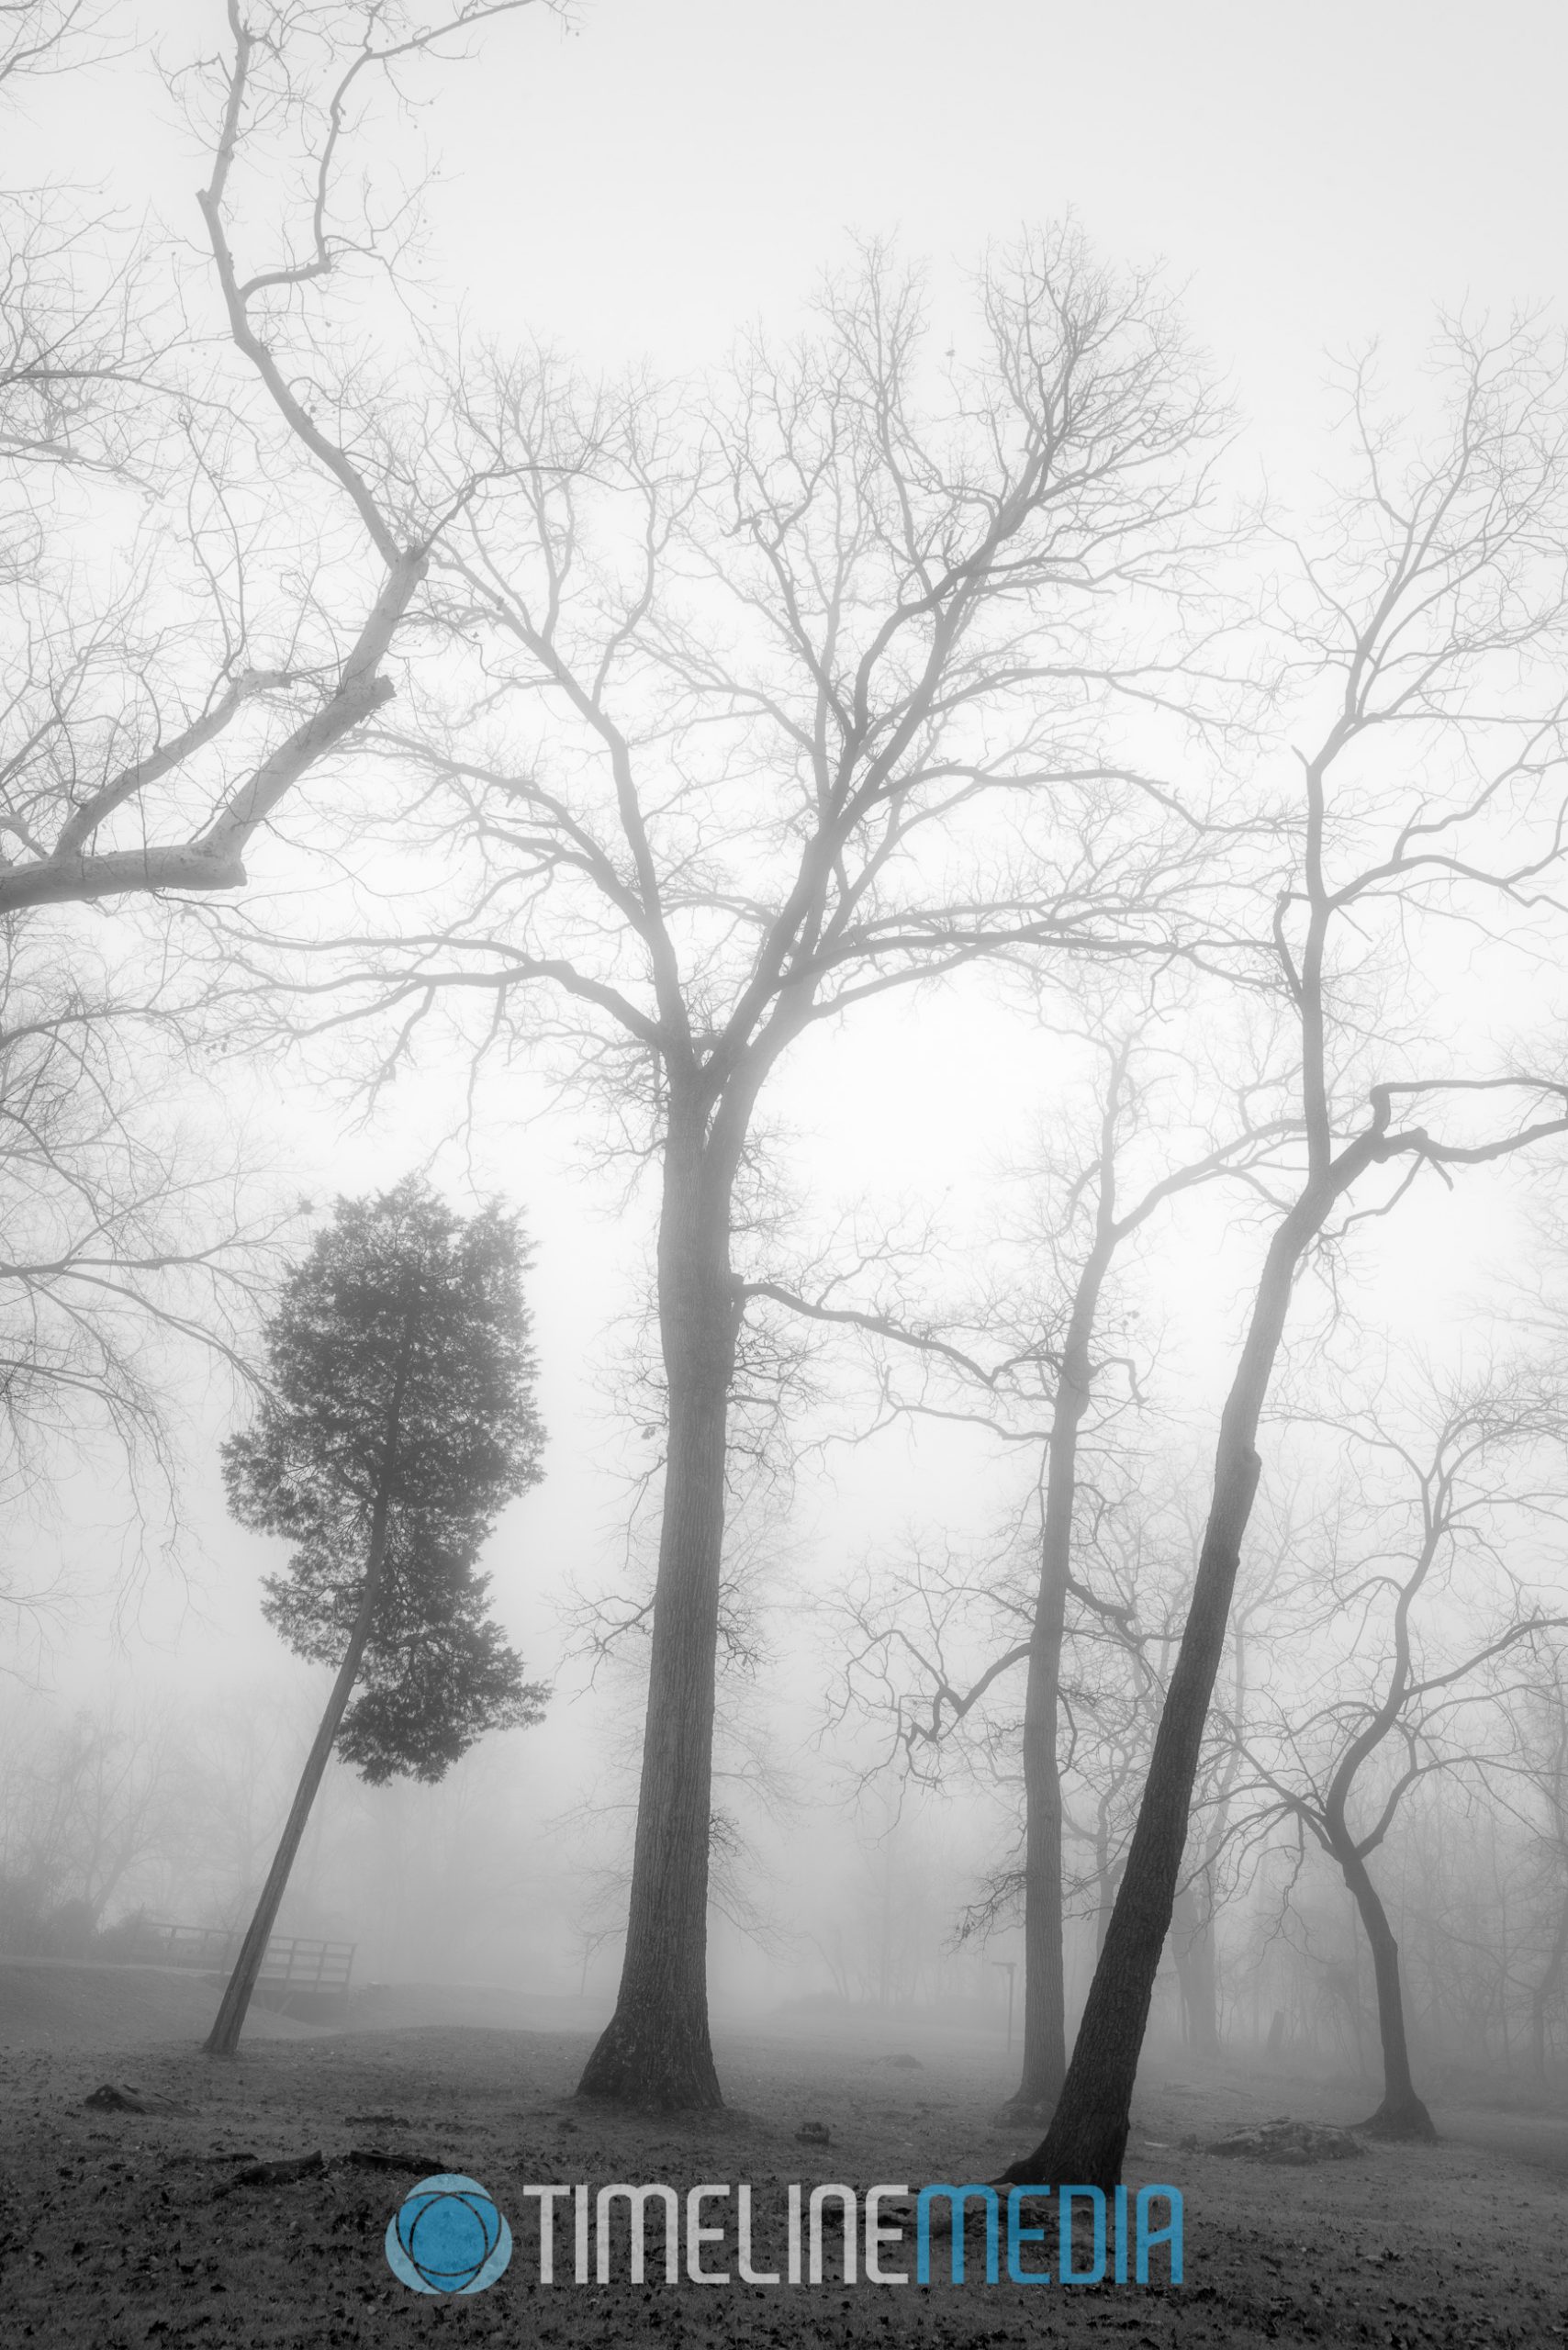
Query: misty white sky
[661, 173]
[652, 178]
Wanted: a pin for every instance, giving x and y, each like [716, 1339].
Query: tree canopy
[401, 1387]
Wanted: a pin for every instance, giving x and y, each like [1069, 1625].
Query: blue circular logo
[448, 2237]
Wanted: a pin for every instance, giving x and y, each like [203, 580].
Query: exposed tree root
[1409, 2119]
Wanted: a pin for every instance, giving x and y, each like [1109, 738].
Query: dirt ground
[119, 2230]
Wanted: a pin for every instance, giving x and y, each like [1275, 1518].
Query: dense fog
[783, 1128]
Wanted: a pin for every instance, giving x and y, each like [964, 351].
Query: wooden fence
[292, 1960]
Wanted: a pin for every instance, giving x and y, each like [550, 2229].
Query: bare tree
[89, 1802]
[39, 37]
[1539, 1722]
[1427, 632]
[802, 699]
[186, 631]
[1149, 1140]
[1410, 1677]
[133, 1229]
[153, 728]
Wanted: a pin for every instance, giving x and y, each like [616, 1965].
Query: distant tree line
[650, 733]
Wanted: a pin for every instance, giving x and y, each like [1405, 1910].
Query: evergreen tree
[399, 1420]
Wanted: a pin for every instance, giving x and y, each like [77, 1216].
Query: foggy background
[647, 181]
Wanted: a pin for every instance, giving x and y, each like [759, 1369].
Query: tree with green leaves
[399, 1420]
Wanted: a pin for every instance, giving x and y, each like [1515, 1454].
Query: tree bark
[224, 2037]
[1402, 2114]
[1193, 1947]
[1087, 2135]
[655, 2051]
[1045, 1997]
[1045, 1994]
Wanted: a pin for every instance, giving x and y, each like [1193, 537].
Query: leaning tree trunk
[655, 2050]
[1087, 2135]
[224, 2037]
[1402, 2114]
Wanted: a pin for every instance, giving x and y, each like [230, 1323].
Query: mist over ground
[783, 1151]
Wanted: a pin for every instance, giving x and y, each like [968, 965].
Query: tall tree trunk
[1045, 1992]
[1045, 1995]
[1105, 1877]
[1087, 2135]
[1192, 1949]
[655, 2050]
[1402, 2114]
[1544, 1991]
[224, 2037]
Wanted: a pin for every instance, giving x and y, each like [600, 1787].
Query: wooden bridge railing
[292, 1960]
